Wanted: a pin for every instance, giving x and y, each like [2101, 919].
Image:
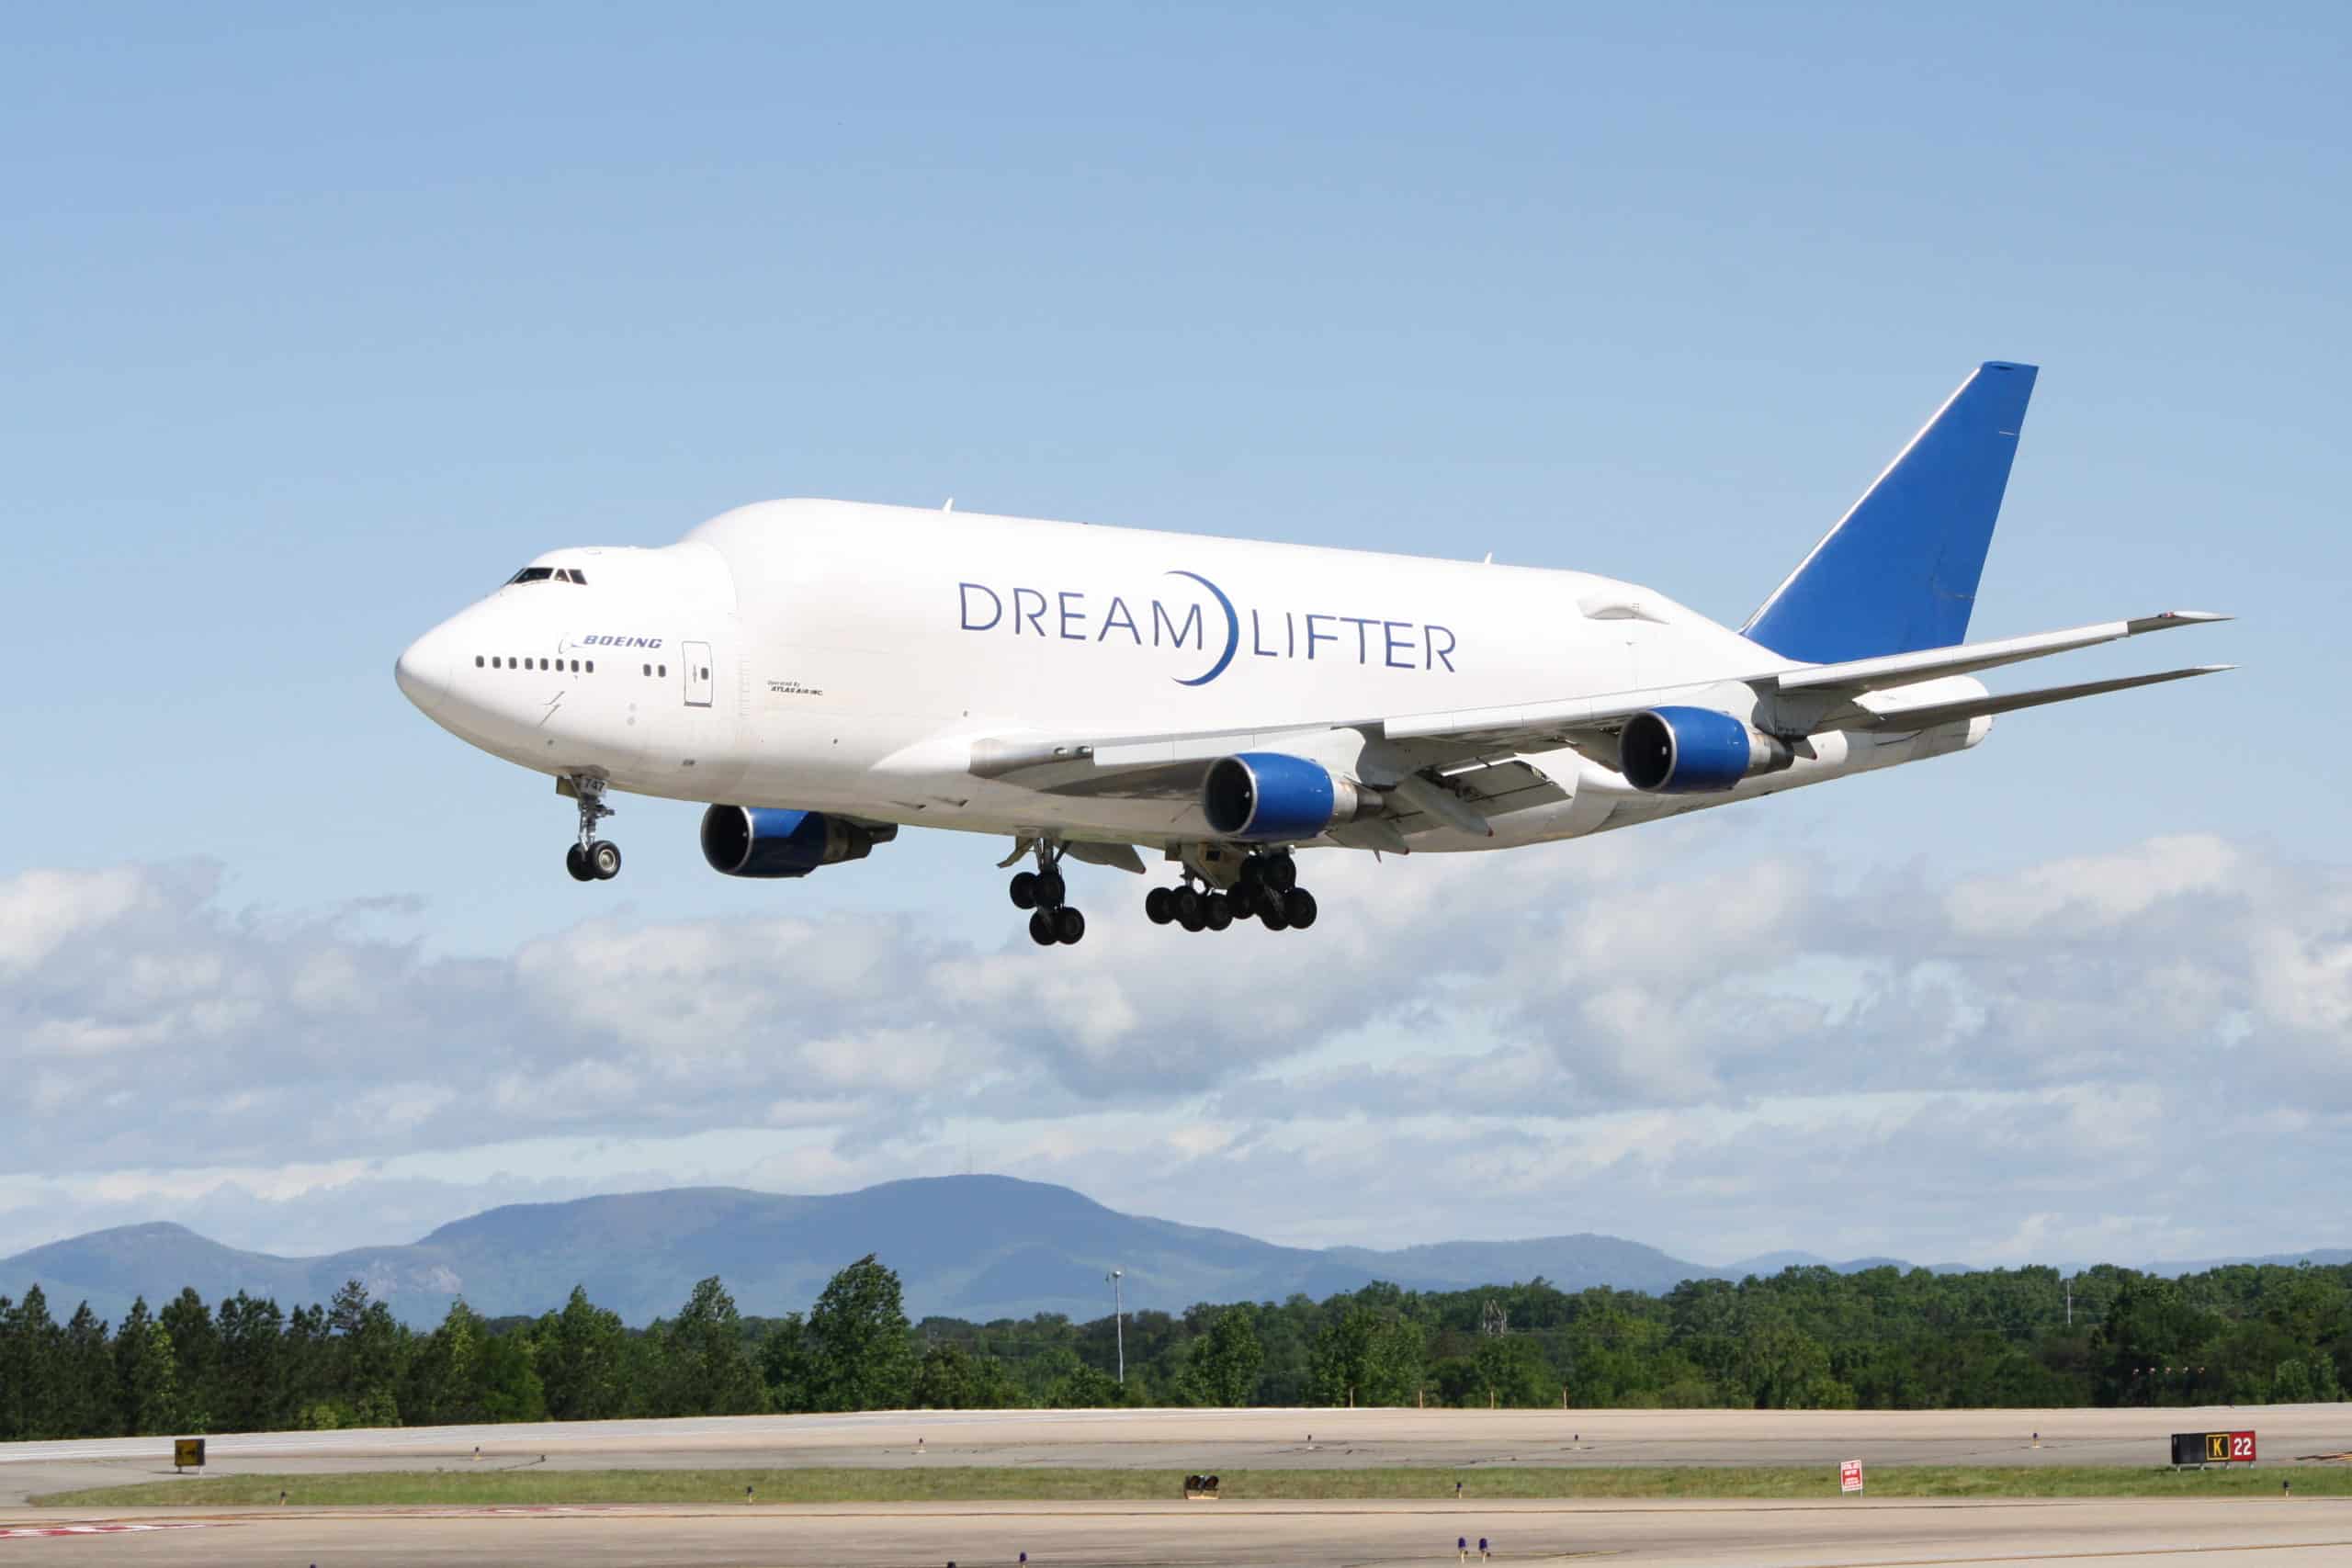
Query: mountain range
[969, 1247]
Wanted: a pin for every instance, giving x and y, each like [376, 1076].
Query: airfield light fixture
[1118, 1323]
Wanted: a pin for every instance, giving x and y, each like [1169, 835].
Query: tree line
[1808, 1337]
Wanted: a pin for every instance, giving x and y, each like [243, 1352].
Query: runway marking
[2133, 1554]
[17, 1532]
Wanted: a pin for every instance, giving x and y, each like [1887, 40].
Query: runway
[1864, 1533]
[1219, 1440]
[1859, 1534]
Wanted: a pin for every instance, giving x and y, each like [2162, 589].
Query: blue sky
[320, 320]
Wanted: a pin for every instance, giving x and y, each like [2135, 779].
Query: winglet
[2173, 618]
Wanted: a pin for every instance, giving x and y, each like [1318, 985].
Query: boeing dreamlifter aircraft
[830, 672]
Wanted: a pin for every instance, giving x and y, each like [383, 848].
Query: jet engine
[758, 840]
[1680, 750]
[1268, 798]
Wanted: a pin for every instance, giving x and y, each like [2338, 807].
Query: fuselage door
[698, 682]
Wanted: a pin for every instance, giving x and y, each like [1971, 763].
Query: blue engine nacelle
[1693, 752]
[1267, 798]
[758, 840]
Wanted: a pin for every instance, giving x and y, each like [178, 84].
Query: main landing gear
[592, 859]
[1042, 892]
[1266, 887]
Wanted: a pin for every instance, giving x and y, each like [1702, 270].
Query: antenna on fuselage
[950, 506]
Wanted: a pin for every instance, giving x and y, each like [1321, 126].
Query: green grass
[948, 1483]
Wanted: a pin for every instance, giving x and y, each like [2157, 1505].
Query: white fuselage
[847, 658]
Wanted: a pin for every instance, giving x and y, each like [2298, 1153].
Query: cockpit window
[549, 574]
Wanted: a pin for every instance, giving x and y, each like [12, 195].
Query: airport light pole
[1118, 1323]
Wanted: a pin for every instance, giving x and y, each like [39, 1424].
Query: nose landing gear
[1042, 892]
[592, 859]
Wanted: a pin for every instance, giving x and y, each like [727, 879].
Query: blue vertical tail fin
[1898, 573]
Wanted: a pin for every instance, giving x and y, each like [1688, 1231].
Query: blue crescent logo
[1232, 631]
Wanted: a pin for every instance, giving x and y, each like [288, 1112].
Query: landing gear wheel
[1051, 922]
[1243, 896]
[1281, 873]
[1270, 916]
[1159, 905]
[1298, 909]
[590, 858]
[1217, 912]
[1186, 904]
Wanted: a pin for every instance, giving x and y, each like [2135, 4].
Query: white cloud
[2100, 888]
[1663, 1039]
[42, 911]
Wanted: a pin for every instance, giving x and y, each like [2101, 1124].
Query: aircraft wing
[1410, 752]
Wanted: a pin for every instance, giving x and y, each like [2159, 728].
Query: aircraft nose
[423, 670]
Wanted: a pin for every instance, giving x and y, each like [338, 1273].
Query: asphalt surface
[1217, 1441]
[2256, 1533]
[2274, 1531]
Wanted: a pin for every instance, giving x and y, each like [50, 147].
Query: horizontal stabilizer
[1899, 669]
[1926, 715]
